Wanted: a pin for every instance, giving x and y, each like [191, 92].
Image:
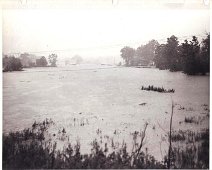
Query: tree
[127, 53]
[53, 60]
[139, 54]
[205, 55]
[11, 64]
[42, 62]
[172, 53]
[167, 55]
[5, 61]
[146, 53]
[190, 54]
[28, 60]
[159, 58]
[25, 60]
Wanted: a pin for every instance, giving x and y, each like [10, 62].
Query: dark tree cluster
[10, 63]
[190, 57]
[42, 62]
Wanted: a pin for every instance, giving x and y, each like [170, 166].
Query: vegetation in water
[157, 89]
[30, 149]
[195, 154]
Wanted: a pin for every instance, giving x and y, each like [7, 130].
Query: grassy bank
[30, 149]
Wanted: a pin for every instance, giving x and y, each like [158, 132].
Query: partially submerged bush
[190, 120]
[157, 89]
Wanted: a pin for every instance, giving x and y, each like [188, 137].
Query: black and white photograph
[105, 84]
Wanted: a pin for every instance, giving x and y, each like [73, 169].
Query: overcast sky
[97, 29]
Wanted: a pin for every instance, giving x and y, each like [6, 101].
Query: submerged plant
[157, 89]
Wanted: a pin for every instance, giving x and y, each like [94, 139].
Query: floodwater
[99, 101]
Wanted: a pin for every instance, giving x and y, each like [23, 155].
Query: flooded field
[105, 102]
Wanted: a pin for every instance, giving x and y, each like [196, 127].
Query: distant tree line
[142, 56]
[190, 57]
[25, 60]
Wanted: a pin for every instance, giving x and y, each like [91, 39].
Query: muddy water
[95, 101]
